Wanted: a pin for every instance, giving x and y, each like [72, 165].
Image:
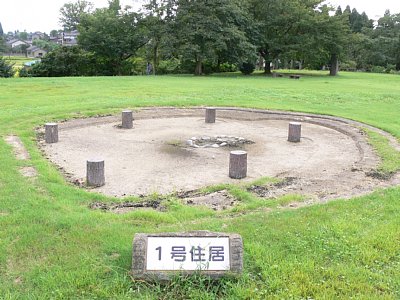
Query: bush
[247, 68]
[350, 65]
[189, 66]
[137, 66]
[378, 69]
[227, 67]
[6, 68]
[25, 72]
[170, 66]
[390, 68]
[66, 61]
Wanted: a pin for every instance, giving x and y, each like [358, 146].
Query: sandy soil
[19, 148]
[331, 160]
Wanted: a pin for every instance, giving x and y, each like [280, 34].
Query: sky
[42, 15]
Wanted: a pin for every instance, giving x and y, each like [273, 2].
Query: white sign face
[188, 253]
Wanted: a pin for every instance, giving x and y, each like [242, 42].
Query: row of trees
[202, 36]
[372, 46]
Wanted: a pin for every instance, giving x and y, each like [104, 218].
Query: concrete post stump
[127, 119]
[294, 134]
[210, 115]
[238, 164]
[51, 133]
[95, 172]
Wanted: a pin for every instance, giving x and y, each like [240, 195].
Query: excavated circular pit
[156, 156]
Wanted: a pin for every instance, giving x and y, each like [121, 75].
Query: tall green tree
[113, 35]
[386, 38]
[331, 36]
[54, 33]
[23, 35]
[46, 45]
[158, 25]
[72, 12]
[2, 40]
[282, 26]
[3, 46]
[206, 29]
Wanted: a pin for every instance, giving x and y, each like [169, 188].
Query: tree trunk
[155, 58]
[260, 64]
[199, 69]
[286, 64]
[218, 68]
[267, 67]
[334, 65]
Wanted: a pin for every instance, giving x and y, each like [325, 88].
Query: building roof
[35, 48]
[16, 40]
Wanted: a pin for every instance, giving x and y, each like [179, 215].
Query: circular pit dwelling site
[171, 150]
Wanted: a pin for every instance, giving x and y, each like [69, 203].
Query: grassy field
[18, 61]
[53, 247]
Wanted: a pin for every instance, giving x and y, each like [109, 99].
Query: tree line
[204, 36]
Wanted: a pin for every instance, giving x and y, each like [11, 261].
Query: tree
[2, 40]
[54, 33]
[282, 27]
[3, 45]
[72, 12]
[6, 68]
[46, 45]
[347, 10]
[332, 36]
[23, 35]
[24, 49]
[386, 37]
[207, 29]
[158, 25]
[113, 36]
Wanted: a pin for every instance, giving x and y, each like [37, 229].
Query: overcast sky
[42, 15]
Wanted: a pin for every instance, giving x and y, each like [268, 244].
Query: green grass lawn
[53, 247]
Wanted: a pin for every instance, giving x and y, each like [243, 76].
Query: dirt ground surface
[19, 149]
[28, 171]
[332, 160]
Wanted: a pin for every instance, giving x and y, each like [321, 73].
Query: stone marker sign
[160, 256]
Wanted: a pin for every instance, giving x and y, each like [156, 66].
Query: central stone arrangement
[217, 141]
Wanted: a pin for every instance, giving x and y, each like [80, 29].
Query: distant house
[54, 39]
[16, 42]
[37, 52]
[37, 36]
[70, 38]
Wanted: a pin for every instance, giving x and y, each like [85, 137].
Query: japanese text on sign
[188, 253]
